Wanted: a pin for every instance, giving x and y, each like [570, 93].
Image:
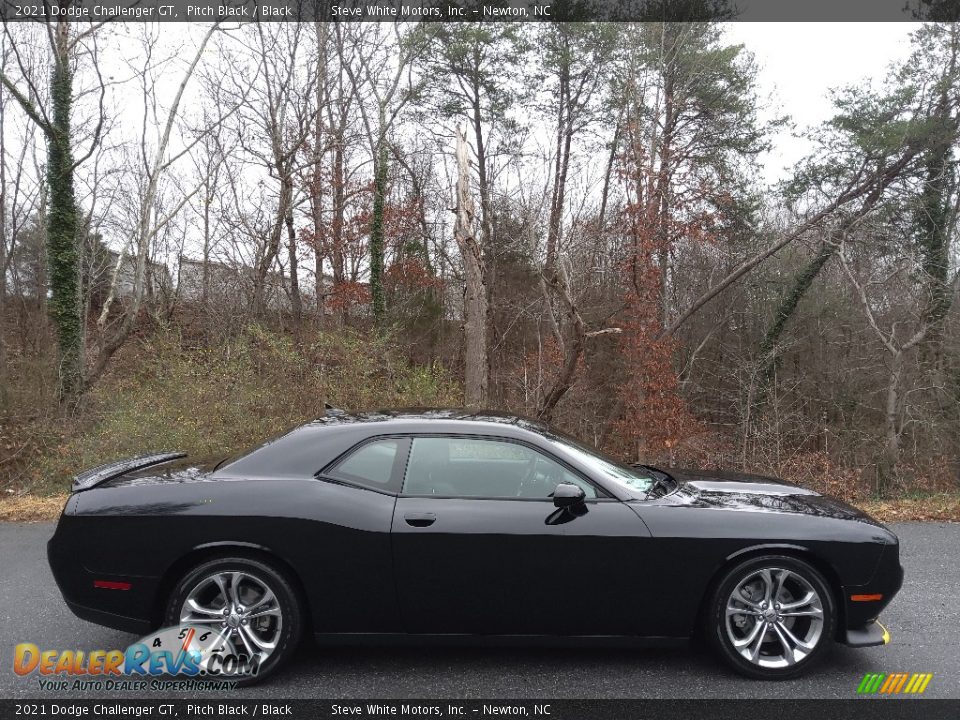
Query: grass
[31, 508]
[942, 507]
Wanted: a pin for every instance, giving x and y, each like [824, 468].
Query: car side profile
[430, 525]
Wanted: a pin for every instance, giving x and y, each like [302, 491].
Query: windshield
[637, 482]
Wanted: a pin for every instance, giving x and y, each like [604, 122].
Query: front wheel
[772, 617]
[248, 603]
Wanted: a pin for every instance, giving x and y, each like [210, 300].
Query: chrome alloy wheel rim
[774, 618]
[241, 606]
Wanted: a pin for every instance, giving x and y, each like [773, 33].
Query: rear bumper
[91, 597]
[138, 626]
[870, 635]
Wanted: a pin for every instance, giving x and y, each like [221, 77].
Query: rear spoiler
[95, 476]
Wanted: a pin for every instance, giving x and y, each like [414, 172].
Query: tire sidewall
[283, 589]
[717, 632]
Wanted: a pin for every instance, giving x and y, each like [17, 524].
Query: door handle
[420, 519]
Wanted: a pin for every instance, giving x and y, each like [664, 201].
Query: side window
[370, 465]
[471, 467]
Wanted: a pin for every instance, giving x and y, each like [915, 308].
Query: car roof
[431, 420]
[313, 445]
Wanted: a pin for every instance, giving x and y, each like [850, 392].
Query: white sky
[800, 63]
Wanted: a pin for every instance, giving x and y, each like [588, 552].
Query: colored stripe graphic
[894, 683]
[900, 681]
[870, 683]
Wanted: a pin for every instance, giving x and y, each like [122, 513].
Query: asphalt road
[924, 621]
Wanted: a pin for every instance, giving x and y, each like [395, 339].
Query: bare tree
[386, 93]
[281, 106]
[897, 346]
[474, 291]
[148, 222]
[55, 120]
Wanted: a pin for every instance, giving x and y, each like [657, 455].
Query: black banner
[875, 709]
[477, 10]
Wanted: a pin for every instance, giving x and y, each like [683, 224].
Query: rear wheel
[772, 617]
[252, 605]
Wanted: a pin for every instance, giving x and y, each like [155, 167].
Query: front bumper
[862, 604]
[870, 635]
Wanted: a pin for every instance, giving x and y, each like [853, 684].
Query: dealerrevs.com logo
[184, 652]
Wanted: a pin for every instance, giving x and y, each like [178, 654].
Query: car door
[480, 548]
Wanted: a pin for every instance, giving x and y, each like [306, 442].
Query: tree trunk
[273, 243]
[296, 304]
[769, 352]
[557, 199]
[608, 173]
[62, 254]
[336, 226]
[486, 215]
[376, 233]
[934, 218]
[475, 291]
[933, 237]
[886, 467]
[205, 290]
[553, 281]
[316, 211]
[572, 349]
[664, 178]
[564, 133]
[316, 191]
[3, 251]
[205, 267]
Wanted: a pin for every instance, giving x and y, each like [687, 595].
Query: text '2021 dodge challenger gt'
[431, 525]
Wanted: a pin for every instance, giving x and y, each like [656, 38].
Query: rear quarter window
[370, 465]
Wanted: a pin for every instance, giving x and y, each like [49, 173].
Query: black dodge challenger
[429, 525]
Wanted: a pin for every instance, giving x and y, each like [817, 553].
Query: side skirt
[625, 641]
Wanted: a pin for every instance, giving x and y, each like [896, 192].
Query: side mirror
[568, 495]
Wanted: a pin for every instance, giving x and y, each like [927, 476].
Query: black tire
[291, 626]
[771, 636]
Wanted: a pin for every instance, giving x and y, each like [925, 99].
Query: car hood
[742, 491]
